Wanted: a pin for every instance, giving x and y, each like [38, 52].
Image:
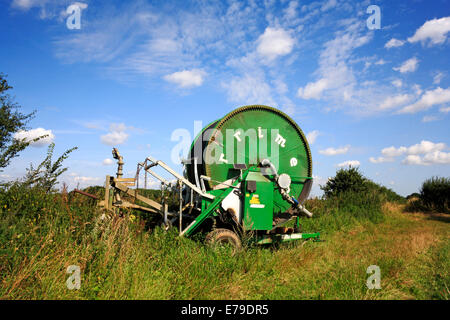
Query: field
[42, 234]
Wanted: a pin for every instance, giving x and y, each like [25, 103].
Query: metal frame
[115, 186]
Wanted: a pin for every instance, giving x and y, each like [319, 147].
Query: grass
[41, 235]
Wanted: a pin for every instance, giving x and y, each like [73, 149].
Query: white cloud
[397, 83]
[338, 80]
[438, 77]
[409, 65]
[425, 147]
[412, 159]
[312, 136]
[48, 9]
[328, 5]
[394, 43]
[395, 101]
[274, 42]
[36, 133]
[23, 4]
[417, 89]
[429, 98]
[435, 157]
[423, 153]
[107, 162]
[334, 151]
[352, 163]
[380, 159]
[445, 109]
[116, 136]
[433, 30]
[187, 78]
[429, 118]
[381, 62]
[249, 89]
[313, 90]
[393, 152]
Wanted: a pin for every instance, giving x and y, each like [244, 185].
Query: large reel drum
[248, 135]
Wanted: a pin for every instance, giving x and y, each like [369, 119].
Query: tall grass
[42, 234]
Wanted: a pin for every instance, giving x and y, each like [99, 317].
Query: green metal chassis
[212, 210]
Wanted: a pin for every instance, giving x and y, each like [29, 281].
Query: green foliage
[346, 180]
[41, 234]
[389, 194]
[344, 210]
[351, 180]
[11, 121]
[45, 176]
[435, 194]
[413, 195]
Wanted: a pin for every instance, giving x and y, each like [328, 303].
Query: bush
[351, 180]
[346, 180]
[435, 194]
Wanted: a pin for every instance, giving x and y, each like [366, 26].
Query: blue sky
[137, 71]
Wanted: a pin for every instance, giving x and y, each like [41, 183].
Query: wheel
[224, 237]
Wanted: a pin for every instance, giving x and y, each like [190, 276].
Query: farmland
[42, 234]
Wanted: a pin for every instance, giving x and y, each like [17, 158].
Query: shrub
[435, 194]
[346, 180]
[351, 180]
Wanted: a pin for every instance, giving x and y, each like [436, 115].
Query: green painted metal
[212, 206]
[264, 132]
[258, 205]
[278, 238]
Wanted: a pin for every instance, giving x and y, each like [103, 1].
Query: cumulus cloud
[349, 163]
[423, 153]
[433, 31]
[116, 136]
[36, 133]
[312, 136]
[394, 43]
[187, 78]
[107, 162]
[334, 151]
[274, 42]
[420, 148]
[395, 101]
[435, 157]
[428, 99]
[409, 65]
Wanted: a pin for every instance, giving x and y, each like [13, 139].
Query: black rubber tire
[220, 236]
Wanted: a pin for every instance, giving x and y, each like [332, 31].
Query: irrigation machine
[247, 173]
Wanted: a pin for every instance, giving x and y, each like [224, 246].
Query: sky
[367, 81]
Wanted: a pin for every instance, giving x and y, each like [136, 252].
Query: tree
[46, 174]
[346, 180]
[11, 121]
